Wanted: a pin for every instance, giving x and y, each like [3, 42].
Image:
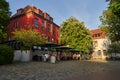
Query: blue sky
[87, 11]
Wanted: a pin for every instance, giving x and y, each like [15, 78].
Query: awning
[74, 50]
[49, 44]
[62, 48]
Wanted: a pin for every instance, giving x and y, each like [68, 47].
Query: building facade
[100, 44]
[30, 16]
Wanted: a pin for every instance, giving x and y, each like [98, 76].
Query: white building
[100, 44]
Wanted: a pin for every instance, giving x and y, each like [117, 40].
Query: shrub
[6, 54]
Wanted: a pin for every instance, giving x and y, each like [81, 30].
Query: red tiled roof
[98, 34]
[95, 31]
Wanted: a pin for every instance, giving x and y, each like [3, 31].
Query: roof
[95, 31]
[27, 9]
[34, 10]
[98, 34]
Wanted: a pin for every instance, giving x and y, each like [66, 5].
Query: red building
[32, 16]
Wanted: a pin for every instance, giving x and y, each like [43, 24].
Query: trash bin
[53, 59]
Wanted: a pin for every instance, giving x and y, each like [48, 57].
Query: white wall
[24, 56]
[102, 44]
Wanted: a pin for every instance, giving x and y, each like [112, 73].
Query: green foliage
[29, 37]
[4, 18]
[114, 47]
[112, 1]
[6, 54]
[75, 34]
[111, 21]
[115, 7]
[3, 35]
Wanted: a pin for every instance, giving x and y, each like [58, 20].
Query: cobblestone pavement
[64, 70]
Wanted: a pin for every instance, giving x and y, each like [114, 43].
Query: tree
[111, 21]
[111, 25]
[114, 47]
[75, 34]
[29, 37]
[4, 18]
[112, 1]
[115, 7]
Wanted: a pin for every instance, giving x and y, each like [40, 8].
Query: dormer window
[40, 13]
[51, 20]
[47, 17]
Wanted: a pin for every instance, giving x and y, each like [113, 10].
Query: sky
[87, 11]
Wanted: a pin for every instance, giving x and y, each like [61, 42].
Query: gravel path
[64, 70]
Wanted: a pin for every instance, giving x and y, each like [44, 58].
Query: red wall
[27, 20]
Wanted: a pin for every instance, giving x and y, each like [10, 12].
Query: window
[95, 44]
[16, 24]
[53, 30]
[95, 35]
[42, 25]
[40, 13]
[48, 39]
[51, 19]
[105, 44]
[47, 17]
[99, 34]
[105, 52]
[36, 23]
[99, 52]
[48, 28]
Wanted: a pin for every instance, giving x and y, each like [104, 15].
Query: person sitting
[47, 56]
[74, 56]
[78, 56]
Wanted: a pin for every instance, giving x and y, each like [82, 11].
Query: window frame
[16, 24]
[42, 25]
[48, 27]
[36, 23]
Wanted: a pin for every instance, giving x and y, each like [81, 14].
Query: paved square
[64, 70]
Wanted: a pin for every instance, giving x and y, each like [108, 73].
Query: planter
[25, 56]
[17, 55]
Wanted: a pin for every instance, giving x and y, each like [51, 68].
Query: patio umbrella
[74, 50]
[62, 48]
[49, 45]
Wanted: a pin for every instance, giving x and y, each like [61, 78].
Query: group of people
[76, 56]
[52, 57]
[45, 57]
